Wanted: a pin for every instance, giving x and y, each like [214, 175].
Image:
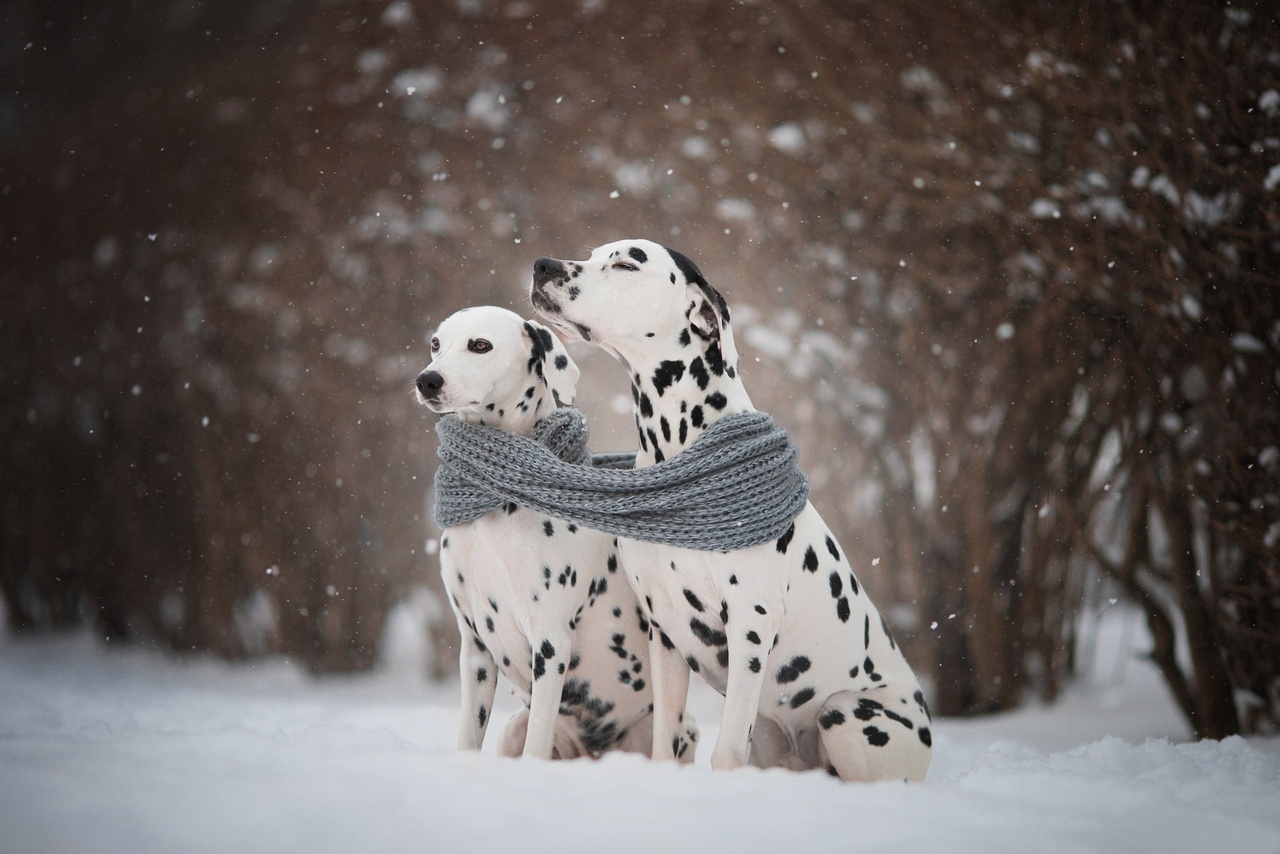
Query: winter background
[129, 750]
[1010, 277]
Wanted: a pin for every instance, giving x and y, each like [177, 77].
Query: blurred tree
[1008, 272]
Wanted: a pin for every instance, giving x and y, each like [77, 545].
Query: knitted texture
[738, 485]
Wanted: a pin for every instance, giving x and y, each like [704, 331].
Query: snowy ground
[126, 750]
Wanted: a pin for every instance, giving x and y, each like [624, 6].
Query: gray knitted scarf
[738, 485]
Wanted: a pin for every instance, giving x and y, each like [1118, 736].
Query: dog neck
[681, 388]
[517, 416]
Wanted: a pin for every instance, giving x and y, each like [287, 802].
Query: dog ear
[549, 359]
[708, 313]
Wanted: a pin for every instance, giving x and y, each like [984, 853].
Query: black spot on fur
[926, 737]
[791, 671]
[666, 427]
[831, 547]
[715, 359]
[733, 579]
[753, 637]
[801, 697]
[638, 254]
[698, 370]
[810, 559]
[488, 623]
[484, 715]
[894, 716]
[548, 650]
[646, 406]
[918, 696]
[693, 664]
[885, 626]
[722, 656]
[837, 585]
[842, 609]
[785, 540]
[548, 528]
[830, 718]
[684, 431]
[717, 401]
[482, 674]
[666, 641]
[666, 374]
[754, 665]
[695, 416]
[760, 609]
[562, 362]
[693, 600]
[706, 634]
[875, 737]
[539, 666]
[684, 339]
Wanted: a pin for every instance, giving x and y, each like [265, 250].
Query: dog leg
[751, 637]
[879, 734]
[479, 681]
[550, 657]
[669, 674]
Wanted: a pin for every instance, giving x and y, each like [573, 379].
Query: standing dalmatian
[536, 597]
[810, 673]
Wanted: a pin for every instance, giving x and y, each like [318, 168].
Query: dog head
[493, 365]
[628, 293]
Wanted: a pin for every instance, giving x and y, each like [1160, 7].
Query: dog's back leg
[878, 734]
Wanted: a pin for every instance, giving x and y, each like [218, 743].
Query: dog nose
[546, 269]
[429, 384]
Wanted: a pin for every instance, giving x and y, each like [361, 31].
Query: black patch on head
[693, 275]
[801, 697]
[666, 374]
[785, 539]
[706, 634]
[830, 718]
[791, 671]
[638, 254]
[810, 559]
[875, 737]
[717, 401]
[693, 600]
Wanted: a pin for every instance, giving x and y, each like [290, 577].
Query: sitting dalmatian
[535, 597]
[811, 676]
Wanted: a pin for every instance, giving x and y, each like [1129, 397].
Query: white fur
[550, 610]
[807, 699]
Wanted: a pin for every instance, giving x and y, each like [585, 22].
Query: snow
[123, 750]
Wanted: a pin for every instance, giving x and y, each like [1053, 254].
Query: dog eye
[624, 265]
[435, 345]
[479, 345]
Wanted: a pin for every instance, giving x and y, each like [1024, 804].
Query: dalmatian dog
[536, 598]
[811, 675]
